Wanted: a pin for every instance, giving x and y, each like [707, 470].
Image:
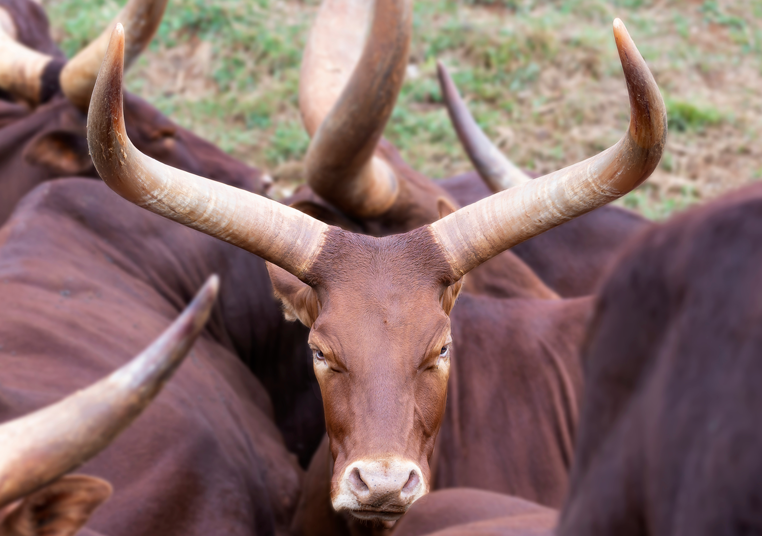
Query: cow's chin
[384, 517]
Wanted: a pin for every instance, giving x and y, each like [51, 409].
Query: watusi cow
[378, 308]
[86, 275]
[49, 141]
[37, 497]
[669, 437]
[571, 259]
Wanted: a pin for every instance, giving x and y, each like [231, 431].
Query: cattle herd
[381, 353]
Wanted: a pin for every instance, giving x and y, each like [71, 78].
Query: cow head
[37, 450]
[377, 307]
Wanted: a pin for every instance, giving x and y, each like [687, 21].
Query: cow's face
[381, 352]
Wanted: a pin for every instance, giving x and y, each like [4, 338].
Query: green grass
[542, 78]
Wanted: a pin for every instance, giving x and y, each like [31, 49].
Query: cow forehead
[349, 262]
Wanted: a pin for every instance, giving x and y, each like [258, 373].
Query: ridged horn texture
[141, 18]
[494, 168]
[21, 67]
[480, 231]
[346, 115]
[40, 447]
[277, 233]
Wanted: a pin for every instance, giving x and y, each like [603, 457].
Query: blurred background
[542, 78]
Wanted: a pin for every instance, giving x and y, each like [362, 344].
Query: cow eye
[445, 351]
[318, 354]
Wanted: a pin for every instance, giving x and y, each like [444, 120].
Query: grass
[542, 78]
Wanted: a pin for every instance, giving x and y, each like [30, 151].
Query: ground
[542, 78]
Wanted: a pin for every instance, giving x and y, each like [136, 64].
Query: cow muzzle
[379, 489]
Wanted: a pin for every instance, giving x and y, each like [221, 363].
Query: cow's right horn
[39, 448]
[478, 232]
[277, 233]
[141, 18]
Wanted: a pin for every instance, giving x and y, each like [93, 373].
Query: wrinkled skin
[87, 281]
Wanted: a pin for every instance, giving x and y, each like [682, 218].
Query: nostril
[358, 484]
[412, 483]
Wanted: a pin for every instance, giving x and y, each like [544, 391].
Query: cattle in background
[37, 497]
[88, 276]
[669, 435]
[49, 140]
[377, 307]
[570, 259]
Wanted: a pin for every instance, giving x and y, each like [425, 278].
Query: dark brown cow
[50, 141]
[669, 434]
[37, 450]
[570, 259]
[87, 276]
[378, 308]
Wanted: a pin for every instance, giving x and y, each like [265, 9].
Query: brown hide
[87, 280]
[671, 436]
[573, 258]
[465, 512]
[668, 439]
[50, 142]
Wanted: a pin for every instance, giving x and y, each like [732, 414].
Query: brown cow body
[669, 432]
[88, 276]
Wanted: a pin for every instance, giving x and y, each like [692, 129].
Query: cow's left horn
[495, 169]
[141, 18]
[480, 231]
[346, 115]
[39, 448]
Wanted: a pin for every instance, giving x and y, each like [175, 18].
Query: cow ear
[450, 295]
[58, 509]
[445, 207]
[299, 299]
[62, 152]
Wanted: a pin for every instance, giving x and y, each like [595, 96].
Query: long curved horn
[39, 448]
[141, 18]
[340, 165]
[277, 233]
[480, 231]
[495, 169]
[21, 68]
